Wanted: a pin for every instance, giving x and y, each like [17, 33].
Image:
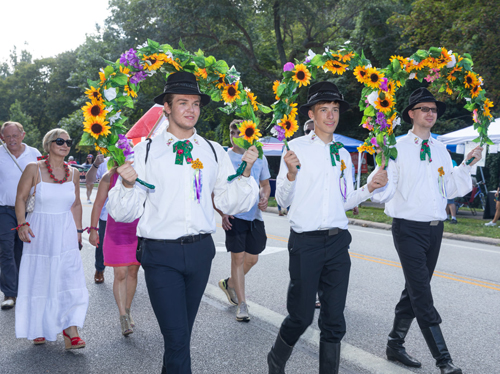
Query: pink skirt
[120, 243]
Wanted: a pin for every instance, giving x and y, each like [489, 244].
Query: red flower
[180, 152]
[189, 159]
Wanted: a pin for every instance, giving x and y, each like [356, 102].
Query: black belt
[330, 232]
[422, 223]
[8, 206]
[182, 240]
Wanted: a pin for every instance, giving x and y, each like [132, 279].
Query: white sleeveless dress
[52, 294]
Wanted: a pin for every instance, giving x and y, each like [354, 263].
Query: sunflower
[175, 64]
[486, 108]
[401, 59]
[367, 148]
[384, 105]
[153, 62]
[475, 91]
[253, 99]
[360, 74]
[104, 151]
[336, 67]
[249, 131]
[470, 80]
[302, 76]
[449, 91]
[443, 60]
[231, 93]
[94, 109]
[102, 77]
[289, 124]
[293, 110]
[93, 94]
[96, 127]
[221, 82]
[391, 87]
[125, 70]
[347, 57]
[201, 73]
[450, 76]
[373, 77]
[275, 88]
[129, 91]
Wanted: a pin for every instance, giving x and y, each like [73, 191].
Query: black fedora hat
[422, 95]
[182, 83]
[323, 91]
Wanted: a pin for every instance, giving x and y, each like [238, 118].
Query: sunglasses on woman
[61, 141]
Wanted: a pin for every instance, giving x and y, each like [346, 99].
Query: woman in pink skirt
[119, 247]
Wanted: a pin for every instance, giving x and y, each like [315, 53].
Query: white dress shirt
[170, 211]
[413, 192]
[10, 173]
[314, 197]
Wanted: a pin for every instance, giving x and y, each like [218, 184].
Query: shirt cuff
[365, 193]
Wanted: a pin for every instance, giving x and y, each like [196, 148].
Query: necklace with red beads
[66, 172]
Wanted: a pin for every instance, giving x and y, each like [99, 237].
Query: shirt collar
[170, 139]
[417, 140]
[315, 138]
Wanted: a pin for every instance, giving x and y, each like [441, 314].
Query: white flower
[327, 49]
[310, 56]
[169, 54]
[145, 44]
[481, 81]
[151, 73]
[467, 99]
[368, 66]
[110, 94]
[274, 132]
[372, 97]
[347, 42]
[115, 117]
[412, 76]
[453, 61]
[244, 102]
[396, 122]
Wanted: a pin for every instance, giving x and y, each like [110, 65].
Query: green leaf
[226, 109]
[210, 60]
[369, 111]
[264, 109]
[422, 54]
[258, 145]
[242, 143]
[435, 52]
[200, 61]
[216, 95]
[120, 79]
[393, 153]
[396, 65]
[199, 53]
[378, 158]
[380, 139]
[108, 70]
[166, 48]
[153, 44]
[319, 60]
[181, 44]
[280, 89]
[221, 67]
[94, 84]
[86, 140]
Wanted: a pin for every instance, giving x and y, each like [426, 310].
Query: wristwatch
[80, 231]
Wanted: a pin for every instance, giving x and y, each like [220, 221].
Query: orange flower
[275, 88]
[336, 67]
[486, 108]
[475, 91]
[360, 74]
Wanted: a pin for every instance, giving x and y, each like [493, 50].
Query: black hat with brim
[323, 91]
[182, 83]
[422, 95]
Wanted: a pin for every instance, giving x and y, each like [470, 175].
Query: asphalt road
[466, 290]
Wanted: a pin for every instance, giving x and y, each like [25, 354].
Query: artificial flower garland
[446, 71]
[119, 83]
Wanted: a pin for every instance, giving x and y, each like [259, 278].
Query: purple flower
[123, 143]
[279, 132]
[130, 58]
[289, 66]
[138, 77]
[374, 142]
[383, 84]
[381, 121]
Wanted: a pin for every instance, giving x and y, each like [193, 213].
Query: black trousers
[418, 245]
[11, 250]
[176, 277]
[317, 264]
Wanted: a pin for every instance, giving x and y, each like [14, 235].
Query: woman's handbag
[30, 202]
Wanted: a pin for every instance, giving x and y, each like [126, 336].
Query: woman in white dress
[52, 294]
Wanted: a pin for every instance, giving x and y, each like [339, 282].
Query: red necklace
[66, 171]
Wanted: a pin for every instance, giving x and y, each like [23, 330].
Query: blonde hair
[8, 123]
[52, 135]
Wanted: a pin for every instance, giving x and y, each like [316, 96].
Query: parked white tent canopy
[468, 134]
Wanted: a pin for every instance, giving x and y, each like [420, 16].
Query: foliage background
[258, 37]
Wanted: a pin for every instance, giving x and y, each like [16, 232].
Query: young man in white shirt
[245, 232]
[318, 193]
[421, 180]
[11, 247]
[177, 217]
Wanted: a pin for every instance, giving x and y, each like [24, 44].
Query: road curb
[350, 353]
[385, 226]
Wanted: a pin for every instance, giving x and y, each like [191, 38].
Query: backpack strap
[213, 149]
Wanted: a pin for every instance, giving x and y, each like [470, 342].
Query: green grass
[272, 202]
[467, 226]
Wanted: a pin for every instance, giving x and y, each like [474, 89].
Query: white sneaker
[491, 223]
[8, 303]
[242, 312]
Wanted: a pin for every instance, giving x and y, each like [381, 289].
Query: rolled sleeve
[125, 204]
[460, 182]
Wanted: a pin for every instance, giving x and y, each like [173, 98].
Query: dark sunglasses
[61, 141]
[425, 109]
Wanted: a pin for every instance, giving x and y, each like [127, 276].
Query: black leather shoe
[278, 356]
[395, 350]
[329, 358]
[435, 341]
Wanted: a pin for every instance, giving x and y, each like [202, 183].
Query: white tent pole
[360, 162]
[155, 126]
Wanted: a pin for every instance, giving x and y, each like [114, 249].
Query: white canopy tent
[468, 134]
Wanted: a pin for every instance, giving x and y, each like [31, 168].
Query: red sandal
[39, 341]
[73, 343]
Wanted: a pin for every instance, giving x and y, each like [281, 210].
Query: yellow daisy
[94, 109]
[302, 76]
[197, 164]
[486, 108]
[336, 67]
[373, 77]
[289, 124]
[360, 74]
[93, 94]
[153, 62]
[231, 93]
[96, 127]
[249, 131]
[384, 105]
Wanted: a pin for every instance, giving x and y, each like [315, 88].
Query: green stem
[150, 186]
[288, 148]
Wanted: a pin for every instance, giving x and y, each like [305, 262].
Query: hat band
[169, 86]
[326, 93]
